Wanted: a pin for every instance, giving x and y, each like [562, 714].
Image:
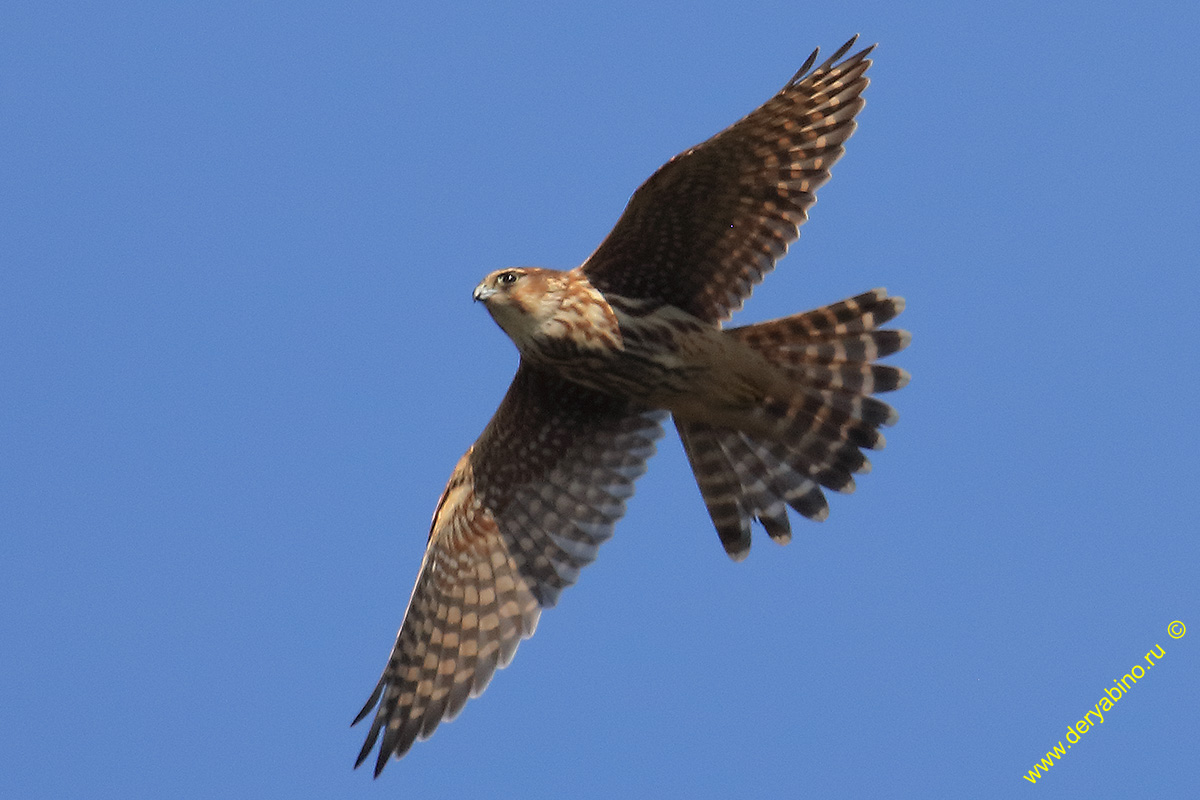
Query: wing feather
[712, 221]
[525, 509]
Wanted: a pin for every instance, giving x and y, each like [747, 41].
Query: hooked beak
[483, 292]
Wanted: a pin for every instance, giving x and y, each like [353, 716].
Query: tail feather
[863, 312]
[743, 480]
[852, 378]
[724, 493]
[811, 439]
[862, 347]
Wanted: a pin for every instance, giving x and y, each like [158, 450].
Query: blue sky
[240, 357]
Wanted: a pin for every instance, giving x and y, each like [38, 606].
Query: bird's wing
[526, 508]
[706, 227]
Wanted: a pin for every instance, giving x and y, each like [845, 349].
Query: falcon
[770, 414]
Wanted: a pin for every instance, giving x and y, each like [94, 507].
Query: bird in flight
[769, 414]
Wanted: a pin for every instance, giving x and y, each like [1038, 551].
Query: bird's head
[522, 299]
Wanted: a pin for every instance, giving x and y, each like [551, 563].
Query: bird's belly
[657, 380]
[666, 359]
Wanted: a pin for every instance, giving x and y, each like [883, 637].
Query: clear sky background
[240, 358]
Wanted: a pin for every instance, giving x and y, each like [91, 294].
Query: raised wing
[526, 508]
[706, 227]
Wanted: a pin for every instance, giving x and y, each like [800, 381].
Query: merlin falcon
[769, 414]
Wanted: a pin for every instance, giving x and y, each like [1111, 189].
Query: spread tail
[817, 434]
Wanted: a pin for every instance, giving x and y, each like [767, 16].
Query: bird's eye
[506, 278]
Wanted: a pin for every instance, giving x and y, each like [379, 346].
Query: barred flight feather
[516, 523]
[712, 221]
